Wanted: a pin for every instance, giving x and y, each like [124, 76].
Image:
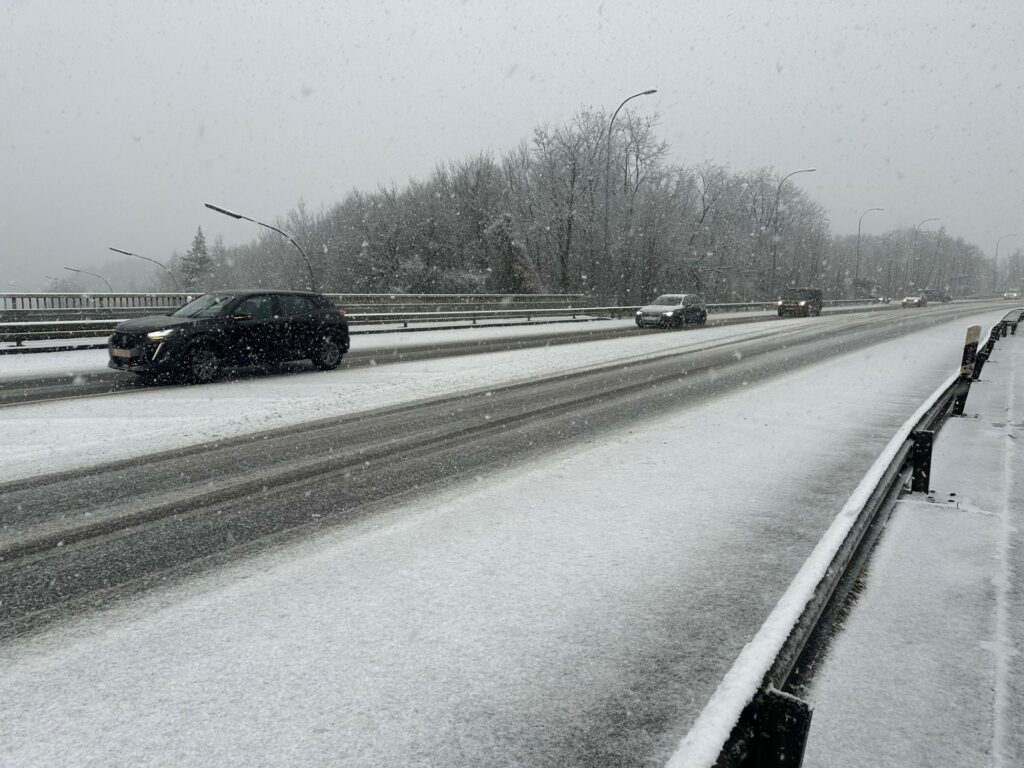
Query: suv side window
[296, 305]
[257, 307]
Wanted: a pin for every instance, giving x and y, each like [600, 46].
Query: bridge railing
[97, 306]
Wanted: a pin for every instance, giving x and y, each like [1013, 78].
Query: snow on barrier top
[761, 659]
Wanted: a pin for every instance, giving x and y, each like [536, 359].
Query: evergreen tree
[196, 265]
[512, 271]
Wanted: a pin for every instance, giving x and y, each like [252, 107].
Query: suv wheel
[327, 354]
[201, 365]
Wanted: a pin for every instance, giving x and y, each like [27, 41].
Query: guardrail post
[922, 455]
[960, 399]
[983, 355]
[967, 364]
[778, 731]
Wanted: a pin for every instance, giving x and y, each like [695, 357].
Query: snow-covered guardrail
[753, 718]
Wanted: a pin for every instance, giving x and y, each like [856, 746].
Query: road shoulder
[926, 669]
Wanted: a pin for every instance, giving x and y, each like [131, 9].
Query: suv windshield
[669, 300]
[207, 305]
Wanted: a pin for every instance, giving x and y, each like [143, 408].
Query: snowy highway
[546, 556]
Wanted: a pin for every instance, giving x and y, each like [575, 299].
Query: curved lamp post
[82, 271]
[995, 263]
[177, 285]
[856, 271]
[232, 214]
[775, 224]
[913, 247]
[608, 163]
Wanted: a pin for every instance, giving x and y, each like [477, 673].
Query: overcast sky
[120, 119]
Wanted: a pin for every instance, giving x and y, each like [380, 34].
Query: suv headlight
[667, 314]
[639, 312]
[160, 335]
[803, 303]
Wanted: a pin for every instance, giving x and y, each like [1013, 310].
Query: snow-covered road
[573, 610]
[59, 435]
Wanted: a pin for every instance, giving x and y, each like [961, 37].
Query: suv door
[301, 319]
[256, 331]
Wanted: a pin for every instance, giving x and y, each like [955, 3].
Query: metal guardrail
[81, 306]
[771, 729]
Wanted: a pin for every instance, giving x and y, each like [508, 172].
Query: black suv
[802, 302]
[233, 328]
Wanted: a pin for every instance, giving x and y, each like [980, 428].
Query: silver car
[673, 310]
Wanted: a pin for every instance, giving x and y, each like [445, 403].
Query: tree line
[581, 209]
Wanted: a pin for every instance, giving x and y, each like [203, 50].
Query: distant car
[883, 299]
[1011, 295]
[232, 328]
[673, 310]
[802, 302]
[919, 300]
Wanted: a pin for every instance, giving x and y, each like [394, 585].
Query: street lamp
[995, 263]
[856, 271]
[232, 214]
[177, 285]
[913, 247]
[82, 271]
[608, 164]
[775, 224]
